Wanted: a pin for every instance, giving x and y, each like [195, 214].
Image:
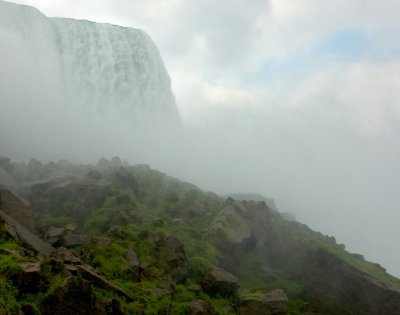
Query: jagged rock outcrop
[76, 240]
[18, 209]
[274, 302]
[133, 264]
[199, 307]
[69, 196]
[31, 279]
[74, 297]
[26, 237]
[127, 180]
[101, 282]
[173, 252]
[240, 227]
[329, 283]
[220, 282]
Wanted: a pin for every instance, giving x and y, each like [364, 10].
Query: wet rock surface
[274, 302]
[74, 297]
[25, 236]
[220, 282]
[199, 307]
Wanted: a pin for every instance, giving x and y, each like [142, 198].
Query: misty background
[297, 101]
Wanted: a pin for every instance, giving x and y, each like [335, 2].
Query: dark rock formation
[31, 279]
[240, 227]
[66, 256]
[220, 282]
[70, 197]
[272, 303]
[100, 282]
[173, 252]
[17, 209]
[127, 180]
[55, 232]
[133, 264]
[176, 259]
[23, 235]
[331, 284]
[73, 240]
[73, 297]
[199, 307]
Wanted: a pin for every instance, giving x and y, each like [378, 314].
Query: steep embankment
[131, 230]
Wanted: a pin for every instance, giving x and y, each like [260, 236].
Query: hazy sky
[308, 90]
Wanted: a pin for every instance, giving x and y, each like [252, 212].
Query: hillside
[113, 238]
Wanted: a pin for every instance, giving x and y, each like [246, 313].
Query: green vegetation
[8, 296]
[140, 219]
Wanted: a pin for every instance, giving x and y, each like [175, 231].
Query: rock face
[31, 278]
[79, 197]
[273, 303]
[199, 307]
[127, 180]
[220, 282]
[73, 240]
[172, 251]
[17, 209]
[240, 227]
[100, 282]
[176, 259]
[23, 235]
[330, 283]
[133, 264]
[74, 297]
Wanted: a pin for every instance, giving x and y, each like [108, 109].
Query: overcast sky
[316, 82]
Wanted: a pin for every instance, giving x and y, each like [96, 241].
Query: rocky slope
[133, 240]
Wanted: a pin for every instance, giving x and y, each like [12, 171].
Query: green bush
[8, 300]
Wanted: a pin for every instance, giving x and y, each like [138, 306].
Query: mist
[324, 146]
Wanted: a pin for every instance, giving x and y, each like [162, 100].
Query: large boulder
[74, 297]
[127, 180]
[274, 302]
[74, 240]
[55, 232]
[176, 259]
[220, 282]
[170, 250]
[200, 307]
[240, 227]
[25, 236]
[101, 282]
[133, 264]
[31, 279]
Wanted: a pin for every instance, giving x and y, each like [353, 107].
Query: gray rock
[274, 302]
[220, 282]
[30, 278]
[22, 234]
[200, 307]
[100, 282]
[55, 232]
[132, 258]
[71, 240]
[103, 241]
[66, 256]
[74, 297]
[158, 292]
